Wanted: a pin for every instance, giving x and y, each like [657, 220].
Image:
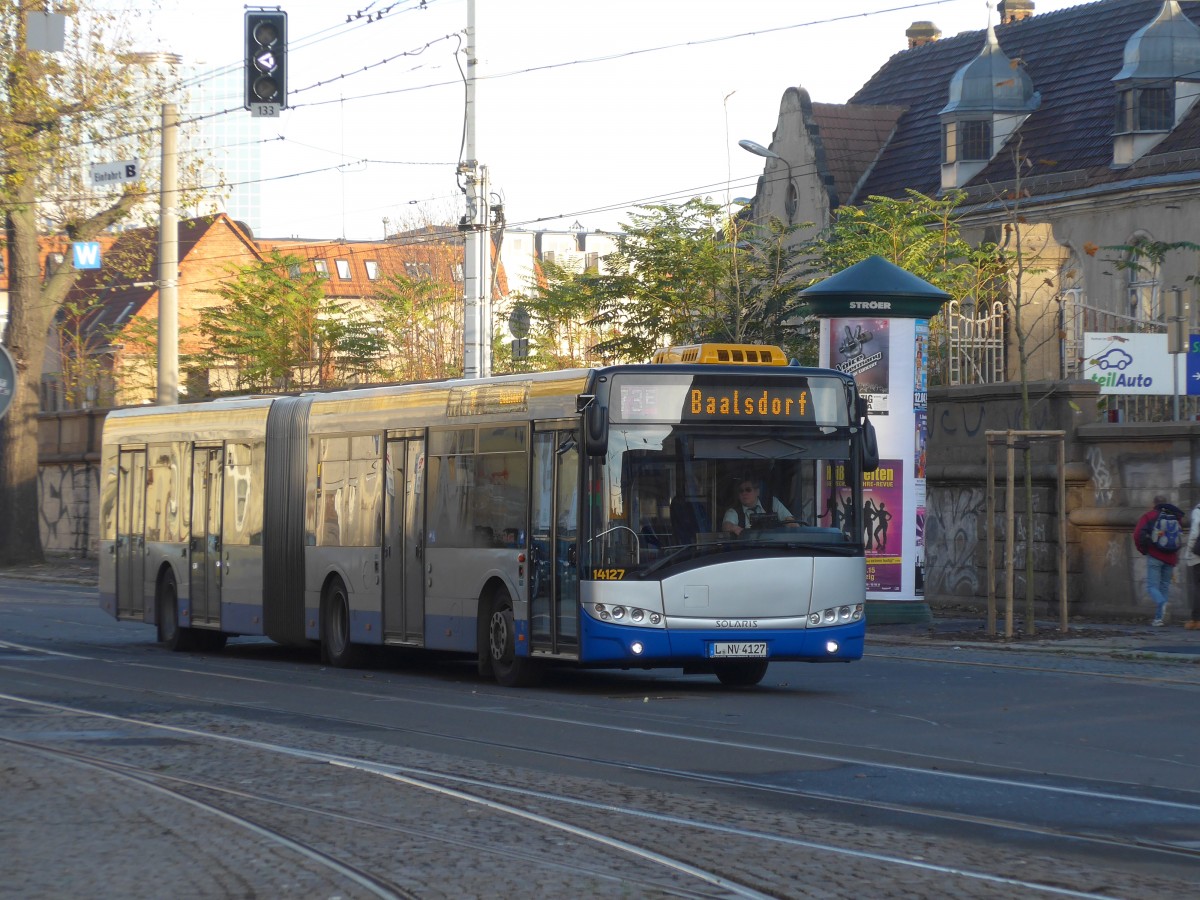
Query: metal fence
[970, 347]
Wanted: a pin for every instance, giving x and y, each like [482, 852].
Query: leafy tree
[278, 331]
[420, 322]
[760, 302]
[563, 332]
[921, 235]
[683, 274]
[82, 372]
[58, 113]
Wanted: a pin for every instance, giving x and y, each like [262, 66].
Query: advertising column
[875, 326]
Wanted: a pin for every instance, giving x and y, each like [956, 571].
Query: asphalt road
[930, 768]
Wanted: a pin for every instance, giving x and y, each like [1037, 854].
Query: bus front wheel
[740, 672]
[336, 647]
[509, 669]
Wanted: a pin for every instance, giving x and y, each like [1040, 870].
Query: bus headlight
[836, 615]
[625, 615]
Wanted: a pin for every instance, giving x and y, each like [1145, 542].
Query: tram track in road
[714, 885]
[520, 800]
[938, 770]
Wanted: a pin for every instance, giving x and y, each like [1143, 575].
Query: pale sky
[584, 107]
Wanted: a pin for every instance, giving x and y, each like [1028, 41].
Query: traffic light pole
[168, 260]
[477, 251]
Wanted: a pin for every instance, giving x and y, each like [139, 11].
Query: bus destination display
[710, 402]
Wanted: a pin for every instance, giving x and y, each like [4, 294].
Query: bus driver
[748, 512]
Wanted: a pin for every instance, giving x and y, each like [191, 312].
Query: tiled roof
[425, 256]
[129, 278]
[1072, 56]
[852, 136]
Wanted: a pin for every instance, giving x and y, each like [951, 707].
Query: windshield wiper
[686, 552]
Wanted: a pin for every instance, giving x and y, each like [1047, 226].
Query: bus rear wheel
[740, 672]
[170, 632]
[336, 647]
[509, 669]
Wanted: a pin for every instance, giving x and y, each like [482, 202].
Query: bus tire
[740, 672]
[170, 633]
[336, 648]
[508, 669]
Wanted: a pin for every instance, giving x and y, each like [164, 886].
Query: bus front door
[554, 544]
[403, 552]
[205, 544]
[131, 529]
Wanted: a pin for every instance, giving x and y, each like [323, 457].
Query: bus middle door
[403, 552]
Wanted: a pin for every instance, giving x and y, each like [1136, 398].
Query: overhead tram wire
[551, 66]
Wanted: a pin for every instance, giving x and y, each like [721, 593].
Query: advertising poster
[883, 524]
[840, 501]
[921, 365]
[919, 582]
[859, 347]
[1130, 363]
[920, 438]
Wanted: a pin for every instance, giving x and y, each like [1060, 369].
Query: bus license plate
[726, 649]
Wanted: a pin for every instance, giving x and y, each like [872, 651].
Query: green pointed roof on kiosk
[874, 287]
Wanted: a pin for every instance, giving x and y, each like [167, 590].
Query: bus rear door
[131, 529]
[403, 551]
[205, 545]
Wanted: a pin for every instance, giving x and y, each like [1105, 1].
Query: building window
[591, 262]
[1143, 292]
[969, 141]
[1145, 109]
[293, 270]
[548, 257]
[458, 272]
[372, 269]
[343, 268]
[321, 266]
[418, 270]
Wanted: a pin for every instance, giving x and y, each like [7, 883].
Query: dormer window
[1145, 109]
[1158, 84]
[967, 141]
[989, 98]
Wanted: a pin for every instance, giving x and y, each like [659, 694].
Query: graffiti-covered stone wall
[1111, 475]
[69, 480]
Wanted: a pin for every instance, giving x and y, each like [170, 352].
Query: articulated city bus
[588, 517]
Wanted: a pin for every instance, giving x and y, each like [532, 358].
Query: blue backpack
[1166, 533]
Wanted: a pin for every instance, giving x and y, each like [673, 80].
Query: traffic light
[266, 58]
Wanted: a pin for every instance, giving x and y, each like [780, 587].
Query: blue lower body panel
[606, 644]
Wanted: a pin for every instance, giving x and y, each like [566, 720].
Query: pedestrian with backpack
[1192, 558]
[1158, 536]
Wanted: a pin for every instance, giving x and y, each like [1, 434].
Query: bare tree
[95, 101]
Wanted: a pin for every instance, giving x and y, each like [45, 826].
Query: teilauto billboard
[1134, 364]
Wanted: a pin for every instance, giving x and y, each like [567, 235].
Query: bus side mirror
[595, 430]
[870, 447]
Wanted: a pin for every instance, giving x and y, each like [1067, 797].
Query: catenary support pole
[168, 260]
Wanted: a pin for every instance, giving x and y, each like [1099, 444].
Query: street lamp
[791, 195]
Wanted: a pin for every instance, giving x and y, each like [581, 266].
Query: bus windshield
[674, 491]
